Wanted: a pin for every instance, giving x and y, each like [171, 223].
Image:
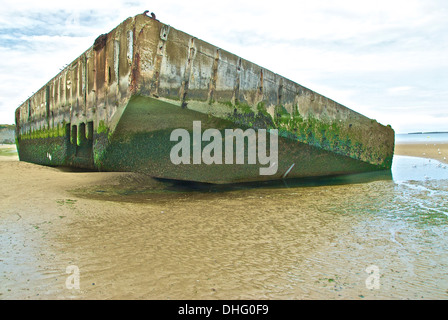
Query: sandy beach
[132, 237]
[437, 151]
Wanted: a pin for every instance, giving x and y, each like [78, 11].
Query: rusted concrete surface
[144, 67]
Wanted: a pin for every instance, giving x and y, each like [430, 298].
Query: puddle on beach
[308, 239]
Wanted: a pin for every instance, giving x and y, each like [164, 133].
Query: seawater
[421, 137]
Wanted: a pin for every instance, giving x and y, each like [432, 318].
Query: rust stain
[135, 73]
[280, 92]
[214, 77]
[259, 96]
[236, 89]
[187, 75]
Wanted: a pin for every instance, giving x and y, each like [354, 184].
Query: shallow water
[422, 137]
[312, 239]
[418, 169]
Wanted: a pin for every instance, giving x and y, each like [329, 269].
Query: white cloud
[399, 90]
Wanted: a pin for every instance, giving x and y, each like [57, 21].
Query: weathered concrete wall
[7, 134]
[72, 119]
[188, 72]
[89, 89]
[81, 103]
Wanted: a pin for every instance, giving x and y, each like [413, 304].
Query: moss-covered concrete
[141, 142]
[51, 151]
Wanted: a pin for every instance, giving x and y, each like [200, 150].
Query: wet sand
[437, 151]
[133, 237]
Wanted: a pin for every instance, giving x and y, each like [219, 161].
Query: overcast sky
[387, 59]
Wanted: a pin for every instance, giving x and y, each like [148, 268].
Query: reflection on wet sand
[133, 237]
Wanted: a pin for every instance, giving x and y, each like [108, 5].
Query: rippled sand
[133, 237]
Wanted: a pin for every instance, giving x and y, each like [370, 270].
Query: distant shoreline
[7, 133]
[425, 132]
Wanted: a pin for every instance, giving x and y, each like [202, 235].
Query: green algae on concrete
[141, 142]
